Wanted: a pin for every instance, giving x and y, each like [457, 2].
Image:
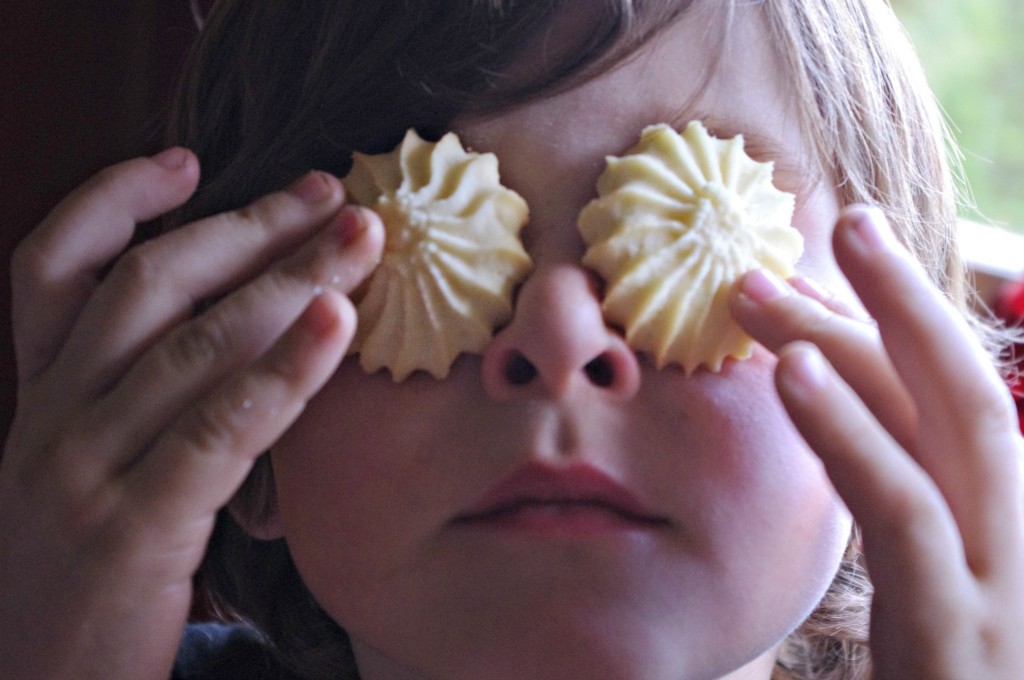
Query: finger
[811, 289]
[200, 460]
[967, 438]
[193, 359]
[158, 284]
[55, 268]
[909, 537]
[774, 314]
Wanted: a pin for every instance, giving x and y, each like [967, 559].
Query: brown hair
[275, 88]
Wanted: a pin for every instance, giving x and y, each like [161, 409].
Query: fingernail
[312, 188]
[171, 159]
[761, 285]
[350, 226]
[810, 288]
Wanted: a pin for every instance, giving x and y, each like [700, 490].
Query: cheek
[358, 484]
[369, 477]
[769, 528]
[776, 503]
[815, 217]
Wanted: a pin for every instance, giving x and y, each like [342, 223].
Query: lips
[576, 499]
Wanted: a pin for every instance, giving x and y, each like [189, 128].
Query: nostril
[600, 371]
[519, 370]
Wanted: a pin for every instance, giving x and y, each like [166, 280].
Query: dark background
[83, 84]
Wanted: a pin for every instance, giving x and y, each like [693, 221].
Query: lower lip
[560, 519]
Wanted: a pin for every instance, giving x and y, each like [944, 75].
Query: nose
[558, 342]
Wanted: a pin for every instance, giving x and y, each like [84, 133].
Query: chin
[549, 651]
[588, 652]
[582, 631]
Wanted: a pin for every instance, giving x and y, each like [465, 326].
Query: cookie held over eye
[678, 219]
[452, 255]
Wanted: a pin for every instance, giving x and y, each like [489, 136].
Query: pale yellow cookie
[678, 219]
[452, 255]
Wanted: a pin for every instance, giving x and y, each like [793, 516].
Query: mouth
[576, 500]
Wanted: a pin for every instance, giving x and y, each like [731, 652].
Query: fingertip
[174, 158]
[330, 316]
[348, 318]
[360, 233]
[321, 316]
[181, 164]
[864, 230]
[317, 187]
[874, 261]
[855, 212]
[95, 222]
[374, 234]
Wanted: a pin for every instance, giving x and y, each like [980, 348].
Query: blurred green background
[973, 54]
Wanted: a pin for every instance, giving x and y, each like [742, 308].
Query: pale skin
[137, 422]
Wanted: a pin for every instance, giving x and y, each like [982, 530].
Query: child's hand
[136, 421]
[920, 437]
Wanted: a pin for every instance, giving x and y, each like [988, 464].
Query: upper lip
[583, 484]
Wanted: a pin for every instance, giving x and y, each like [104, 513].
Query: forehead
[695, 68]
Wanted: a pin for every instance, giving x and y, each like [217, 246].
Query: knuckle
[299, 271]
[911, 511]
[820, 322]
[261, 212]
[29, 260]
[54, 477]
[110, 182]
[252, 213]
[285, 370]
[139, 268]
[294, 277]
[106, 179]
[210, 427]
[198, 345]
[245, 227]
[995, 410]
[280, 210]
[248, 228]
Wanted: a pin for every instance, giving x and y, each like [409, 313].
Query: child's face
[741, 531]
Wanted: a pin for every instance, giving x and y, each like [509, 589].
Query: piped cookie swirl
[678, 219]
[452, 255]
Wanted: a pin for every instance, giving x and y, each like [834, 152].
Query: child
[554, 508]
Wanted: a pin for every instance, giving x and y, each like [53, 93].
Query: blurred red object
[1010, 307]
[1010, 304]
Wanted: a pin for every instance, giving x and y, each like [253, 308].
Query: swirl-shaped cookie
[451, 260]
[678, 219]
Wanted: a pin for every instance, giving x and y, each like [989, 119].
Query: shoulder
[217, 651]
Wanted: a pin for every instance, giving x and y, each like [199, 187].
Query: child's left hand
[920, 438]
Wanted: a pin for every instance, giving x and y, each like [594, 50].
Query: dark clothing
[217, 651]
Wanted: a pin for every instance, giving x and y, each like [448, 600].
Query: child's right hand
[136, 420]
